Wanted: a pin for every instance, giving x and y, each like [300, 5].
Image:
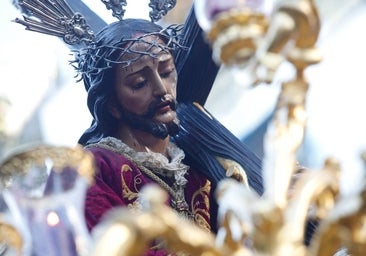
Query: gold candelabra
[273, 224]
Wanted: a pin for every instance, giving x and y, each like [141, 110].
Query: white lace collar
[156, 162]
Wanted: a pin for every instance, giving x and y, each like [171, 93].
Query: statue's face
[145, 90]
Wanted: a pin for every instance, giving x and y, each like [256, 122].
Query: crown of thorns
[95, 58]
[56, 18]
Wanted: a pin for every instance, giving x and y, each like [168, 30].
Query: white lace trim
[156, 162]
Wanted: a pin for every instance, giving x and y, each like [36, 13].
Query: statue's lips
[163, 107]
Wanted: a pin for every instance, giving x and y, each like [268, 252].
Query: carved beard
[144, 122]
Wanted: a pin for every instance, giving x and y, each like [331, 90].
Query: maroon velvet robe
[119, 180]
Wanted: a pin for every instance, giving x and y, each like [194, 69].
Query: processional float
[245, 34]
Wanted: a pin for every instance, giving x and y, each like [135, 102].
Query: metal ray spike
[56, 18]
[160, 8]
[117, 7]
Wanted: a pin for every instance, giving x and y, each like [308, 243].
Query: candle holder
[233, 28]
[44, 188]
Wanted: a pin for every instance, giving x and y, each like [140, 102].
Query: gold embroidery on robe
[127, 193]
[201, 214]
[131, 194]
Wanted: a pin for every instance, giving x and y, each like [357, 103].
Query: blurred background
[41, 100]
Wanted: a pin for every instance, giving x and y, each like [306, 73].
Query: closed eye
[166, 74]
[139, 85]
